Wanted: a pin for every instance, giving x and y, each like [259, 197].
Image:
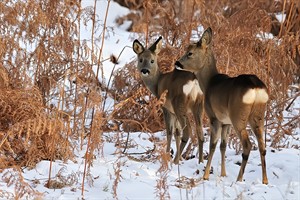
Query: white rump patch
[257, 95]
[192, 89]
[261, 96]
[249, 96]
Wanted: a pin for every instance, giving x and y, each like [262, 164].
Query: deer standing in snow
[183, 96]
[229, 101]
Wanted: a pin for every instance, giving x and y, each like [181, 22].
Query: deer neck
[152, 83]
[206, 73]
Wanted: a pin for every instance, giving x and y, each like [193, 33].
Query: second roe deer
[183, 96]
[229, 101]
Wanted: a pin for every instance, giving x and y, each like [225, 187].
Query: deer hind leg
[224, 136]
[170, 125]
[257, 124]
[180, 109]
[215, 126]
[243, 134]
[177, 133]
[197, 113]
[186, 131]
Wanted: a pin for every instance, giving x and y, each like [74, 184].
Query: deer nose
[178, 65]
[145, 72]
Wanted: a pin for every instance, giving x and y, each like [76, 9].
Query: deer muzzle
[145, 72]
[178, 65]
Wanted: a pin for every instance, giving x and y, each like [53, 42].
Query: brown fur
[178, 104]
[229, 101]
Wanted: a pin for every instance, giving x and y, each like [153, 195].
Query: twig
[147, 22]
[103, 37]
[288, 107]
[110, 77]
[76, 85]
[145, 152]
[4, 138]
[281, 26]
[179, 179]
[126, 144]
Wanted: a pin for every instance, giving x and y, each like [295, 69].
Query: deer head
[147, 58]
[198, 55]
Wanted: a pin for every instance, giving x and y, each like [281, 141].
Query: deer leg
[215, 126]
[177, 139]
[246, 151]
[224, 135]
[258, 130]
[262, 151]
[180, 110]
[186, 129]
[197, 113]
[169, 123]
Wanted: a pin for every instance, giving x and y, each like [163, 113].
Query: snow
[138, 179]
[280, 17]
[139, 173]
[116, 38]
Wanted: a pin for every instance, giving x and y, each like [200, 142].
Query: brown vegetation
[50, 98]
[248, 38]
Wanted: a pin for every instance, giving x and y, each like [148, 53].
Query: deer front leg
[215, 127]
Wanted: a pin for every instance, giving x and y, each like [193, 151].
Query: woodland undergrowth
[53, 93]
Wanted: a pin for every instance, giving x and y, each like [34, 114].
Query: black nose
[178, 65]
[145, 71]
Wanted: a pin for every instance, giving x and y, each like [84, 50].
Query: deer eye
[141, 60]
[152, 61]
[190, 54]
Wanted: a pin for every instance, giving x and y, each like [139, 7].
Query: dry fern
[29, 134]
[13, 178]
[242, 41]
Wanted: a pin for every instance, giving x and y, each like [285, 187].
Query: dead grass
[51, 100]
[21, 188]
[242, 43]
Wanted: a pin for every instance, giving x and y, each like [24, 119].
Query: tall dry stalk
[87, 158]
[91, 146]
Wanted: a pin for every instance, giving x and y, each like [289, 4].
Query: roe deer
[228, 101]
[183, 96]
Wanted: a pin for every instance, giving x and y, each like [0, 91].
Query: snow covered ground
[140, 176]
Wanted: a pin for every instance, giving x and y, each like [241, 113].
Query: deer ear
[206, 38]
[156, 46]
[137, 47]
